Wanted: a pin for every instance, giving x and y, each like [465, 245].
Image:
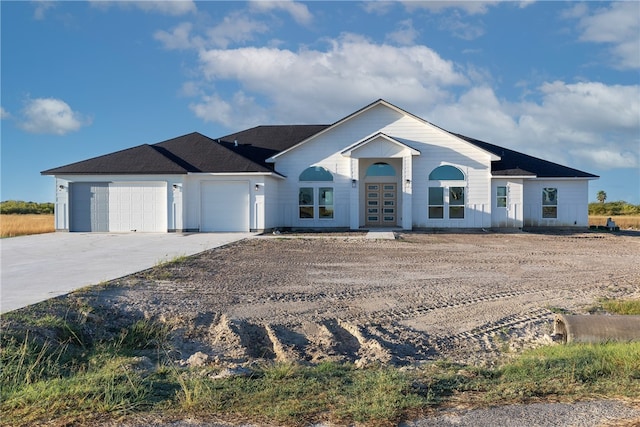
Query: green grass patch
[292, 394]
[572, 371]
[78, 368]
[621, 306]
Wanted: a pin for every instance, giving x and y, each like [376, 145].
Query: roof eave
[347, 152]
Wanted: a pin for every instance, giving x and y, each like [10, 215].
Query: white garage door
[139, 206]
[225, 206]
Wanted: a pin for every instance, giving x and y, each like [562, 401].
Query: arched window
[381, 169]
[316, 173]
[315, 201]
[446, 173]
[446, 202]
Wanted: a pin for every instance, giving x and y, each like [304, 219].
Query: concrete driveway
[39, 267]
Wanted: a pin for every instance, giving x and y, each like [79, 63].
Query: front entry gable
[379, 146]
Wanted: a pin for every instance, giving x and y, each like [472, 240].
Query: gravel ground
[468, 297]
[600, 413]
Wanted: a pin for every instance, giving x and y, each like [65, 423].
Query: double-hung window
[501, 196]
[305, 202]
[436, 202]
[325, 202]
[549, 203]
[456, 202]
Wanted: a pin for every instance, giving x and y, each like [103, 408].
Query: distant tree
[601, 196]
[21, 207]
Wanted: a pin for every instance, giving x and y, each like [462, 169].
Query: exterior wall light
[353, 183]
[257, 187]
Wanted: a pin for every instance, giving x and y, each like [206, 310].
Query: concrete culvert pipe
[596, 328]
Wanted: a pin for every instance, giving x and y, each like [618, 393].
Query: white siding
[436, 148]
[510, 216]
[572, 203]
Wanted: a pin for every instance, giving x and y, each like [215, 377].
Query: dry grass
[20, 225]
[624, 222]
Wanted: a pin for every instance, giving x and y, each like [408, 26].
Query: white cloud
[378, 7]
[469, 7]
[405, 35]
[589, 124]
[352, 65]
[51, 116]
[235, 28]
[241, 111]
[298, 11]
[608, 157]
[171, 8]
[179, 37]
[42, 6]
[617, 26]
[592, 106]
[4, 114]
[460, 27]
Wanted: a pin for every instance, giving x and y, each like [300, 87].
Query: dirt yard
[467, 297]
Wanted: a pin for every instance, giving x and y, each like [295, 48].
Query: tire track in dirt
[360, 301]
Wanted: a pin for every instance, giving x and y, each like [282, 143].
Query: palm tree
[601, 196]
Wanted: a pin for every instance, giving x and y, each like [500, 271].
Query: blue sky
[557, 80]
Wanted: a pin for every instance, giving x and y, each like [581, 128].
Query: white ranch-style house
[380, 167]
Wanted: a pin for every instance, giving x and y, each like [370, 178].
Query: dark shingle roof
[513, 163]
[195, 152]
[143, 159]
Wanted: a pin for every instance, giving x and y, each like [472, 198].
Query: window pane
[305, 196]
[456, 212]
[381, 169]
[446, 172]
[306, 211]
[550, 196]
[456, 196]
[316, 173]
[436, 212]
[436, 196]
[325, 196]
[326, 211]
[502, 191]
[549, 212]
[502, 202]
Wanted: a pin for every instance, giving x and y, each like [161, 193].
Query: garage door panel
[225, 206]
[119, 206]
[138, 207]
[89, 205]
